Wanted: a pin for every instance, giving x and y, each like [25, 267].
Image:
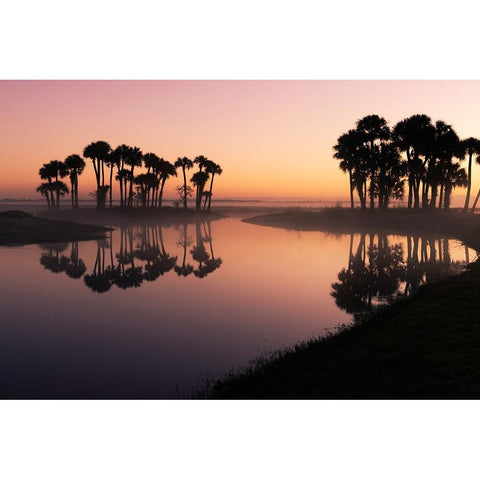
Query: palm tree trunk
[184, 188]
[121, 192]
[372, 193]
[160, 195]
[76, 191]
[211, 188]
[351, 189]
[111, 176]
[72, 190]
[469, 185]
[475, 202]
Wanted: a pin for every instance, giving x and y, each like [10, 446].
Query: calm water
[153, 310]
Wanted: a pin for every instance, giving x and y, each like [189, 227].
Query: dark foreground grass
[425, 347]
[19, 228]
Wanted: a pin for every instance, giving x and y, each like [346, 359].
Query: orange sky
[272, 138]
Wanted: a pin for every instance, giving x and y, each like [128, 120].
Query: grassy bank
[19, 228]
[427, 346]
[398, 221]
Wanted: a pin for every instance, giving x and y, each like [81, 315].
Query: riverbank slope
[427, 346]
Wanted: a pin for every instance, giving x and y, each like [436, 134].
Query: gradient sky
[272, 138]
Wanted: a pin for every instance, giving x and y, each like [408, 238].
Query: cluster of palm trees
[122, 164]
[426, 156]
[54, 188]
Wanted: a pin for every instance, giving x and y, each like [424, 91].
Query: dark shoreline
[20, 228]
[423, 347]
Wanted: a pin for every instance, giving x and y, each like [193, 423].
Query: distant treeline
[122, 164]
[416, 153]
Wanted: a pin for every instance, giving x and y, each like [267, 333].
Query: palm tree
[166, 170]
[60, 189]
[213, 169]
[45, 190]
[474, 206]
[454, 177]
[52, 171]
[374, 130]
[48, 173]
[347, 150]
[391, 174]
[133, 159]
[447, 145]
[202, 163]
[75, 166]
[112, 160]
[471, 147]
[145, 182]
[199, 179]
[121, 154]
[98, 152]
[413, 136]
[185, 164]
[152, 164]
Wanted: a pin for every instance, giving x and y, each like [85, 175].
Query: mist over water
[149, 311]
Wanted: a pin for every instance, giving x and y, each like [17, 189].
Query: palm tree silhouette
[99, 152]
[134, 159]
[123, 174]
[471, 147]
[152, 163]
[413, 135]
[51, 172]
[199, 179]
[374, 130]
[75, 166]
[165, 171]
[348, 150]
[185, 164]
[45, 190]
[213, 169]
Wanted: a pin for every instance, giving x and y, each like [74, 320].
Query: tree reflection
[378, 274]
[142, 255]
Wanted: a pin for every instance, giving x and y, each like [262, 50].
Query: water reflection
[141, 256]
[378, 272]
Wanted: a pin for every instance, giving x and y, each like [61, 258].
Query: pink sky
[272, 138]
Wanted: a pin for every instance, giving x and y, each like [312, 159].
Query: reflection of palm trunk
[433, 252]
[350, 252]
[184, 245]
[446, 251]
[160, 235]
